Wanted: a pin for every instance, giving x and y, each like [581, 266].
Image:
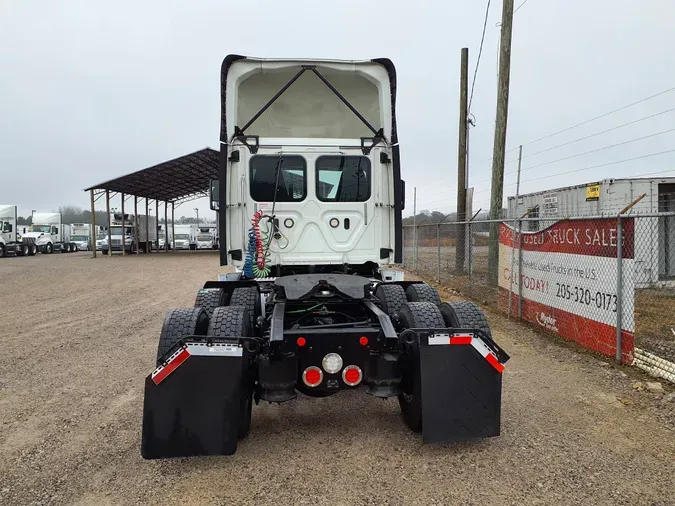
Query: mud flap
[461, 380]
[192, 404]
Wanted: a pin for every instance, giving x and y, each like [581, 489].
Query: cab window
[343, 178]
[292, 182]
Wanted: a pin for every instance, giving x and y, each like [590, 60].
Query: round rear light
[352, 375]
[312, 376]
[332, 363]
[301, 341]
[363, 341]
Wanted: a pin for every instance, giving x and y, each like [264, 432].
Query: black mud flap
[461, 380]
[192, 403]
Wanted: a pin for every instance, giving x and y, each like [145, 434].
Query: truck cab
[315, 170]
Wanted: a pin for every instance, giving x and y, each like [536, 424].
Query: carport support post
[173, 220]
[157, 223]
[136, 223]
[124, 235]
[166, 227]
[520, 267]
[107, 209]
[93, 224]
[619, 287]
[147, 225]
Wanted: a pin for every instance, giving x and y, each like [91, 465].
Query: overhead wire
[480, 52]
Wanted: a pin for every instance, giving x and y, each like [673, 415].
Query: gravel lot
[79, 335]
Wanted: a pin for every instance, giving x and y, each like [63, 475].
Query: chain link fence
[577, 277]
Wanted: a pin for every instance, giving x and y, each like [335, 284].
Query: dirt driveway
[78, 336]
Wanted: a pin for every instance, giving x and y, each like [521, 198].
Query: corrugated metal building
[654, 237]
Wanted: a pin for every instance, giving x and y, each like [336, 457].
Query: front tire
[2, 251]
[49, 248]
[25, 250]
[422, 315]
[178, 324]
[33, 250]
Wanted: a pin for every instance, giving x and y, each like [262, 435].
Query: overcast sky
[90, 90]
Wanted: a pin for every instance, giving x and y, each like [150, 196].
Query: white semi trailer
[10, 242]
[49, 234]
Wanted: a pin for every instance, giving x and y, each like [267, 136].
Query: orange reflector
[363, 341]
[352, 375]
[301, 341]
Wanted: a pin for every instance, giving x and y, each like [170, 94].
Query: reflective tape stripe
[461, 339]
[464, 339]
[435, 339]
[197, 349]
[172, 364]
[215, 349]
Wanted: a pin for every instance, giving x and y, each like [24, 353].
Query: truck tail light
[352, 375]
[312, 376]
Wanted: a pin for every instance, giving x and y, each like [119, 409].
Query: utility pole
[498, 152]
[461, 161]
[415, 228]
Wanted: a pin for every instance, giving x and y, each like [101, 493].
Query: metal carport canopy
[179, 180]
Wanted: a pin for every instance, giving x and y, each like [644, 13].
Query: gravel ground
[79, 336]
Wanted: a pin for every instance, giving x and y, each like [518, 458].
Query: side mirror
[402, 195]
[214, 198]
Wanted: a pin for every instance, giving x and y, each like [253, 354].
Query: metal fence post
[513, 261]
[417, 249]
[470, 266]
[619, 287]
[438, 256]
[520, 269]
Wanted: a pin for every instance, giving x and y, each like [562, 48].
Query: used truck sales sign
[568, 281]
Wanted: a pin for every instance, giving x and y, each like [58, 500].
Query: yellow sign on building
[593, 191]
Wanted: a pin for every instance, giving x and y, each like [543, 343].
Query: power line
[480, 52]
[517, 8]
[598, 149]
[596, 134]
[598, 166]
[601, 116]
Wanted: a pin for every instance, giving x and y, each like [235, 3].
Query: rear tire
[249, 298]
[104, 251]
[209, 299]
[391, 297]
[234, 322]
[421, 292]
[415, 315]
[178, 324]
[465, 315]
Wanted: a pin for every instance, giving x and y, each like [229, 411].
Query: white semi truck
[185, 236]
[49, 234]
[207, 237]
[10, 242]
[123, 232]
[80, 234]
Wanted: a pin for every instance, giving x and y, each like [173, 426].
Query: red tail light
[352, 375]
[363, 341]
[301, 341]
[312, 376]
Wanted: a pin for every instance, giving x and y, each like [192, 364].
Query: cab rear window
[291, 183]
[343, 178]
